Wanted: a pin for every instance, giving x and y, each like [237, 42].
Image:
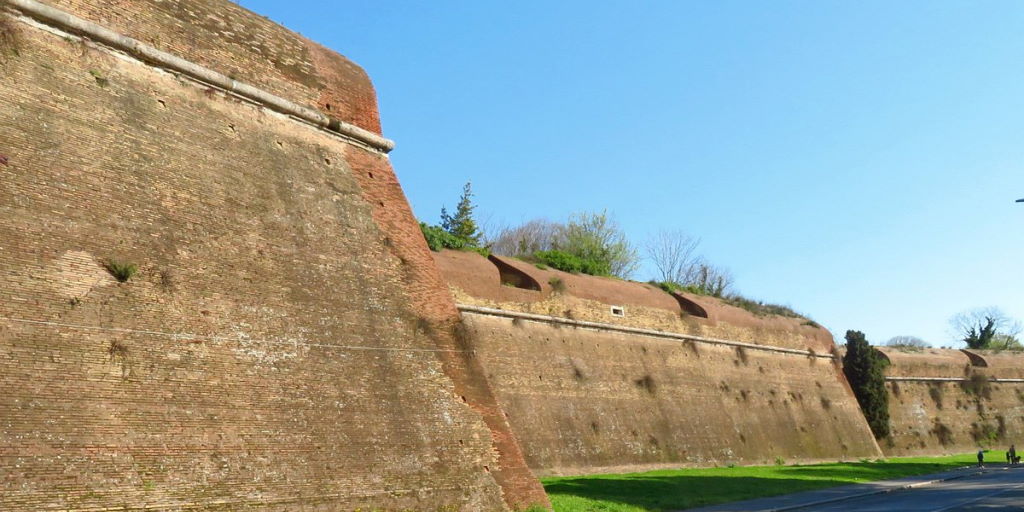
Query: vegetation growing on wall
[571, 263]
[941, 431]
[978, 385]
[907, 343]
[458, 231]
[122, 271]
[557, 285]
[462, 225]
[987, 328]
[758, 308]
[935, 392]
[589, 243]
[864, 367]
[9, 43]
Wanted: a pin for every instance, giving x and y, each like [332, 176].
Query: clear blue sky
[856, 160]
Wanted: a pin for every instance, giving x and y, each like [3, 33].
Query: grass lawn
[683, 488]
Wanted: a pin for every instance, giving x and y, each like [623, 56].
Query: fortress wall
[223, 36]
[584, 400]
[940, 403]
[287, 343]
[926, 362]
[474, 281]
[1000, 364]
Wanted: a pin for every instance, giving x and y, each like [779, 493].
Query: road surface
[996, 490]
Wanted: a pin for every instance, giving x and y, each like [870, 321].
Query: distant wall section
[951, 401]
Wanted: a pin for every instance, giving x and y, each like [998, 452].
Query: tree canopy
[987, 328]
[589, 243]
[863, 367]
[462, 225]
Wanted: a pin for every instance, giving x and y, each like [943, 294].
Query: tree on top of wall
[910, 342]
[458, 231]
[863, 367]
[588, 243]
[596, 237]
[461, 224]
[987, 328]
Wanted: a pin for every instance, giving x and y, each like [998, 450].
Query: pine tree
[863, 367]
[462, 224]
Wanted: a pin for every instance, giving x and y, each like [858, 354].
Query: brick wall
[934, 416]
[223, 36]
[286, 343]
[584, 400]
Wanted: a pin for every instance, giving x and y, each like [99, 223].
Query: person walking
[981, 458]
[1012, 455]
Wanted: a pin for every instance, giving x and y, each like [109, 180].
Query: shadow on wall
[690, 307]
[663, 490]
[511, 276]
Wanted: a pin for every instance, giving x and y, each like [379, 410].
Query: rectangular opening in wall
[618, 311]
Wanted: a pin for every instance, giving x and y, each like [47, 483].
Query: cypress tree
[863, 367]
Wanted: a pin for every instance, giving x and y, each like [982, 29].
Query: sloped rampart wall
[589, 391]
[286, 342]
[952, 401]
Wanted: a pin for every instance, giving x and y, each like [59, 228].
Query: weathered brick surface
[475, 280]
[223, 36]
[286, 344]
[433, 304]
[933, 417]
[585, 400]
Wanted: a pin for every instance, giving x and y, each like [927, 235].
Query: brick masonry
[953, 416]
[587, 400]
[287, 343]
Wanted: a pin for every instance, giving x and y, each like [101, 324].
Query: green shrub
[671, 287]
[560, 260]
[598, 241]
[121, 271]
[482, 251]
[759, 308]
[566, 262]
[438, 239]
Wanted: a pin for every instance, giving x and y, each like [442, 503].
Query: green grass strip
[684, 488]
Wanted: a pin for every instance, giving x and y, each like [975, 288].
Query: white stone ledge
[945, 379]
[64, 21]
[480, 310]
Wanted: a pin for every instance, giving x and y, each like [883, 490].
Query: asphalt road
[996, 490]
